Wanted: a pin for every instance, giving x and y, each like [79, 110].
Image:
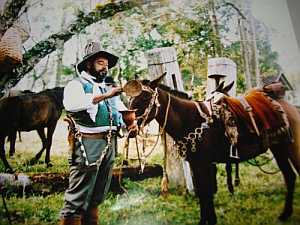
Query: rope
[161, 129]
[256, 163]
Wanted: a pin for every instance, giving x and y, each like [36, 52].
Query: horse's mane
[56, 93]
[168, 89]
[51, 90]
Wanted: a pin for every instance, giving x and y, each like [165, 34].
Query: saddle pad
[268, 113]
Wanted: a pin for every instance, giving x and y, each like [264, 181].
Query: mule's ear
[219, 88]
[153, 84]
[228, 88]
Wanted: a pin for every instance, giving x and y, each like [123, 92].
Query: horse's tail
[293, 116]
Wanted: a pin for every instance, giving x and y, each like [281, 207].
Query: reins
[254, 162]
[145, 116]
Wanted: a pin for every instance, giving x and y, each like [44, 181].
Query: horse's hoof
[231, 190]
[236, 182]
[49, 165]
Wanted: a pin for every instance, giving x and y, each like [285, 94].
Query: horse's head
[144, 99]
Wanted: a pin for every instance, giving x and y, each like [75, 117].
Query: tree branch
[10, 14]
[43, 48]
[236, 9]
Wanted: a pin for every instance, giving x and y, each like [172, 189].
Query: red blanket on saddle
[267, 113]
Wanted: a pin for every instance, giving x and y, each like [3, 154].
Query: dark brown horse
[31, 112]
[202, 141]
[12, 138]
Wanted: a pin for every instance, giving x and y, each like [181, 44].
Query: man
[94, 109]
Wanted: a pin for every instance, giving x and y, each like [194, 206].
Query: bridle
[153, 103]
[145, 116]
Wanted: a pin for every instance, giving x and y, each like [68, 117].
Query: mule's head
[145, 100]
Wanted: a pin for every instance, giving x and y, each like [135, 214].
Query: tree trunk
[214, 23]
[59, 53]
[255, 62]
[245, 54]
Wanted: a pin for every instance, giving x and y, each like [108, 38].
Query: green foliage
[268, 59]
[145, 43]
[129, 70]
[233, 52]
[33, 210]
[67, 71]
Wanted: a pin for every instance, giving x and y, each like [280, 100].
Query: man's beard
[99, 75]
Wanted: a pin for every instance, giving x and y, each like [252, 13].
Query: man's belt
[101, 135]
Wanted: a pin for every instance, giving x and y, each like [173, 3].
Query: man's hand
[114, 92]
[133, 130]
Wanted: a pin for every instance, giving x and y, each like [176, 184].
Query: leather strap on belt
[101, 135]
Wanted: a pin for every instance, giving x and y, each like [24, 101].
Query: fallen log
[49, 183]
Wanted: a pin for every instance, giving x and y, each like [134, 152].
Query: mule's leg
[20, 138]
[214, 178]
[3, 157]
[50, 132]
[204, 187]
[42, 135]
[228, 168]
[289, 177]
[12, 142]
[237, 175]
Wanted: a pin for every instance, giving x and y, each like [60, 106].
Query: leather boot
[70, 221]
[90, 217]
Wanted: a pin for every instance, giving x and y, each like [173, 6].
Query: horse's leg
[289, 177]
[42, 135]
[3, 157]
[204, 188]
[294, 119]
[228, 168]
[237, 175]
[214, 178]
[50, 132]
[12, 142]
[20, 138]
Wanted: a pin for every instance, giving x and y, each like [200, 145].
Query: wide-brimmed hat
[93, 50]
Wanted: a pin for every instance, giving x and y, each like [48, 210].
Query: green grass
[20, 163]
[257, 201]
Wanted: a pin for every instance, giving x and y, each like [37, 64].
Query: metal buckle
[232, 155]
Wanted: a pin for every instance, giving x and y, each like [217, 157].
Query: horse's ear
[228, 88]
[153, 84]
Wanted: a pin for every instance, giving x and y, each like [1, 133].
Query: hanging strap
[249, 110]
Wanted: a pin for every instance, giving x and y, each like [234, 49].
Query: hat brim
[112, 59]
